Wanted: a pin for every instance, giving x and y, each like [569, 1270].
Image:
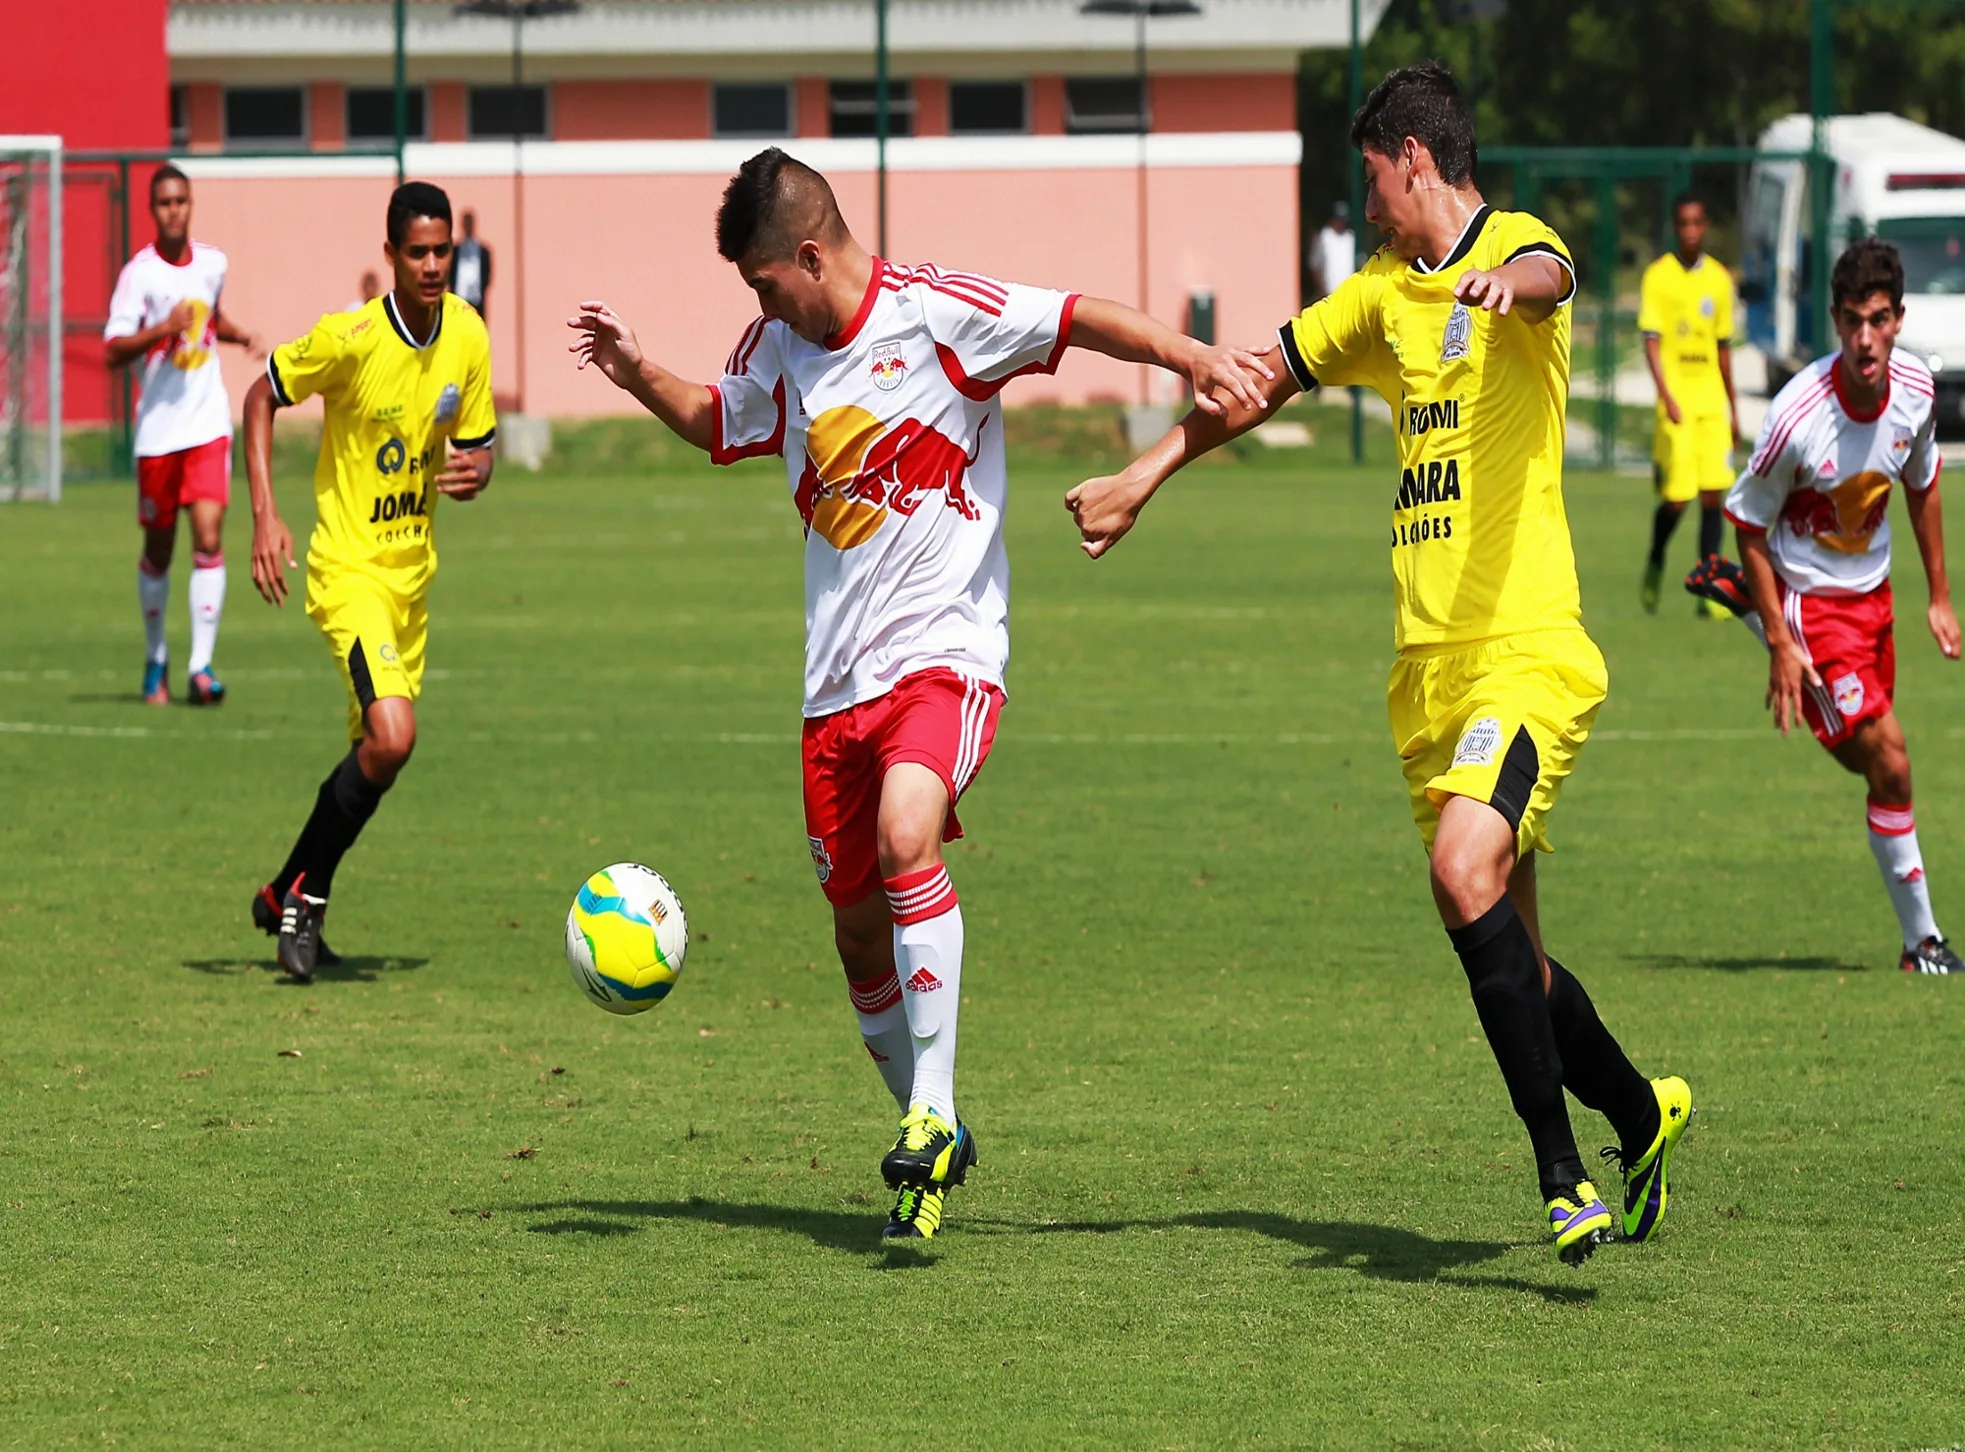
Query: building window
[501, 112]
[1101, 104]
[372, 113]
[180, 116]
[981, 108]
[751, 109]
[854, 110]
[266, 115]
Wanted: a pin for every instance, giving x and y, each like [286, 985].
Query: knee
[1467, 880]
[907, 845]
[862, 953]
[389, 741]
[158, 547]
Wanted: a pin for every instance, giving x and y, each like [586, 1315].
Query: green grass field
[1249, 1176]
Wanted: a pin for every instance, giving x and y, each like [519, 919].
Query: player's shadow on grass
[855, 1232]
[353, 968]
[1807, 963]
[1379, 1252]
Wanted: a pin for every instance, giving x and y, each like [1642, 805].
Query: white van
[1894, 179]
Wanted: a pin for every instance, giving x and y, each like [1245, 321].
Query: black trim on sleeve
[280, 394]
[1293, 360]
[478, 443]
[1543, 249]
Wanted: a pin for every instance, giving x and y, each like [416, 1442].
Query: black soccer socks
[1506, 980]
[342, 807]
[1663, 522]
[1712, 519]
[1594, 1067]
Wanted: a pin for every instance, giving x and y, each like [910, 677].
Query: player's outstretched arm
[1106, 508]
[603, 340]
[1533, 286]
[466, 473]
[272, 542]
[1788, 665]
[1126, 333]
[131, 346]
[1927, 523]
[227, 331]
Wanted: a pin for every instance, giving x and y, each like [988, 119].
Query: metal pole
[1139, 70]
[518, 206]
[1821, 169]
[1357, 89]
[56, 340]
[1606, 279]
[124, 459]
[880, 121]
[402, 88]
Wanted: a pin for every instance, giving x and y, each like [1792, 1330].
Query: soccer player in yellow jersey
[1685, 311]
[406, 380]
[1461, 324]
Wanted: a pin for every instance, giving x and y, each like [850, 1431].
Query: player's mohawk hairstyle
[1422, 101]
[772, 204]
[1866, 267]
[412, 200]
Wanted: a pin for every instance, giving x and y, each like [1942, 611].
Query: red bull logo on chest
[889, 367]
[859, 469]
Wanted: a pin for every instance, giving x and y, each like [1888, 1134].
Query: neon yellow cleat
[1580, 1222]
[917, 1214]
[930, 1153]
[1645, 1187]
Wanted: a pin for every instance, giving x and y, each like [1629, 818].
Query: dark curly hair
[1422, 101]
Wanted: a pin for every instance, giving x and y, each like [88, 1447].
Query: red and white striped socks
[207, 605]
[153, 593]
[883, 1028]
[928, 962]
[1893, 842]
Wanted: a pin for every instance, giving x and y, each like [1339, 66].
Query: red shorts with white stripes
[166, 483]
[1853, 646]
[935, 718]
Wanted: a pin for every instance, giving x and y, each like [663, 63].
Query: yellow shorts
[1692, 457]
[377, 637]
[1500, 722]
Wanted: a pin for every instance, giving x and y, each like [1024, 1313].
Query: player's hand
[1735, 424]
[1105, 509]
[465, 474]
[605, 342]
[1673, 411]
[182, 316]
[1233, 369]
[272, 545]
[1787, 670]
[255, 347]
[1483, 289]
[1944, 627]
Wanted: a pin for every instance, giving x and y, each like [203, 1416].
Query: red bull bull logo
[1844, 517]
[858, 470]
[889, 367]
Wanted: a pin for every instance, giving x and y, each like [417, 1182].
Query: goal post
[31, 326]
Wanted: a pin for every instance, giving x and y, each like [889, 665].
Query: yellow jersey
[1480, 540]
[1690, 311]
[391, 401]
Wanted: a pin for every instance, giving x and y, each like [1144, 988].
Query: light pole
[1141, 11]
[518, 12]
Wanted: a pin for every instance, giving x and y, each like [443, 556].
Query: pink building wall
[646, 244]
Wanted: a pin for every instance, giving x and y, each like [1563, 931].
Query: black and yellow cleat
[917, 1213]
[929, 1153]
[1647, 1188]
[1579, 1220]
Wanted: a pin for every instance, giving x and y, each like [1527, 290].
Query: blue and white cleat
[156, 682]
[206, 689]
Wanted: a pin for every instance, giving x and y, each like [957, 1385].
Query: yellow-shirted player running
[1685, 311]
[406, 380]
[1461, 324]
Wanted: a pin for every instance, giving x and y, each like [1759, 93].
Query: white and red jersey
[1819, 480]
[181, 401]
[892, 435]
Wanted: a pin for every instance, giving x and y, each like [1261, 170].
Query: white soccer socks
[883, 1028]
[1893, 842]
[153, 592]
[928, 961]
[207, 605]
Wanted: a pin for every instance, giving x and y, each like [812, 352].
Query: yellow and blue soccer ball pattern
[626, 937]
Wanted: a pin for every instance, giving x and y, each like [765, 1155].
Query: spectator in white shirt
[1333, 252]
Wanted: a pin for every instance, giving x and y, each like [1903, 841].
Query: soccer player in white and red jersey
[165, 311]
[879, 386]
[1812, 514]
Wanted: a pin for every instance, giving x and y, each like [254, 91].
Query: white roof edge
[746, 28]
[1165, 151]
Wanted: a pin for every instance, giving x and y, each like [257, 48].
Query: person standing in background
[1333, 252]
[470, 276]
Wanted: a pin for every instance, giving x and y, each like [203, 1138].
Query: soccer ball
[625, 938]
